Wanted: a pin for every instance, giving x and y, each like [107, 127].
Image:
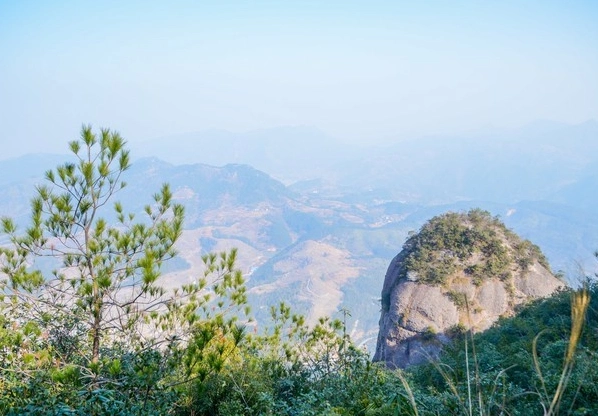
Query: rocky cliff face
[460, 271]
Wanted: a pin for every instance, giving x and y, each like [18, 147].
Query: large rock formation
[460, 271]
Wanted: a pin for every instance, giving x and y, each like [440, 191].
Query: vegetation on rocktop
[475, 243]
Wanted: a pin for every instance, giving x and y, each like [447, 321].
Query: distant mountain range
[539, 161]
[322, 234]
[288, 153]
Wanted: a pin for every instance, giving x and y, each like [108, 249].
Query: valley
[323, 244]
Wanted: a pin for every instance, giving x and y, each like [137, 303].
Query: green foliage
[448, 243]
[108, 276]
[102, 335]
[501, 372]
[297, 369]
[458, 298]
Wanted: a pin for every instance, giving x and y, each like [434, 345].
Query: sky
[357, 70]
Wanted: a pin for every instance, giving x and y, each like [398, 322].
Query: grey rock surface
[418, 319]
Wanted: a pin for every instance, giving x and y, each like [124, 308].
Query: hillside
[283, 232]
[339, 225]
[318, 254]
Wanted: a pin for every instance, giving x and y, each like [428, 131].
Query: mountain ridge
[270, 222]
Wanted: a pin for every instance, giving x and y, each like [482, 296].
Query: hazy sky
[354, 69]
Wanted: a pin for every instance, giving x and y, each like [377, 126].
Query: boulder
[428, 299]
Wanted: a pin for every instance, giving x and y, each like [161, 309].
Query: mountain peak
[461, 271]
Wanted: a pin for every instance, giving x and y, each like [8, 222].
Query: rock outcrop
[460, 271]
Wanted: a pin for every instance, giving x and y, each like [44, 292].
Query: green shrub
[445, 244]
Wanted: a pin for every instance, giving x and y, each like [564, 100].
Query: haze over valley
[319, 232]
